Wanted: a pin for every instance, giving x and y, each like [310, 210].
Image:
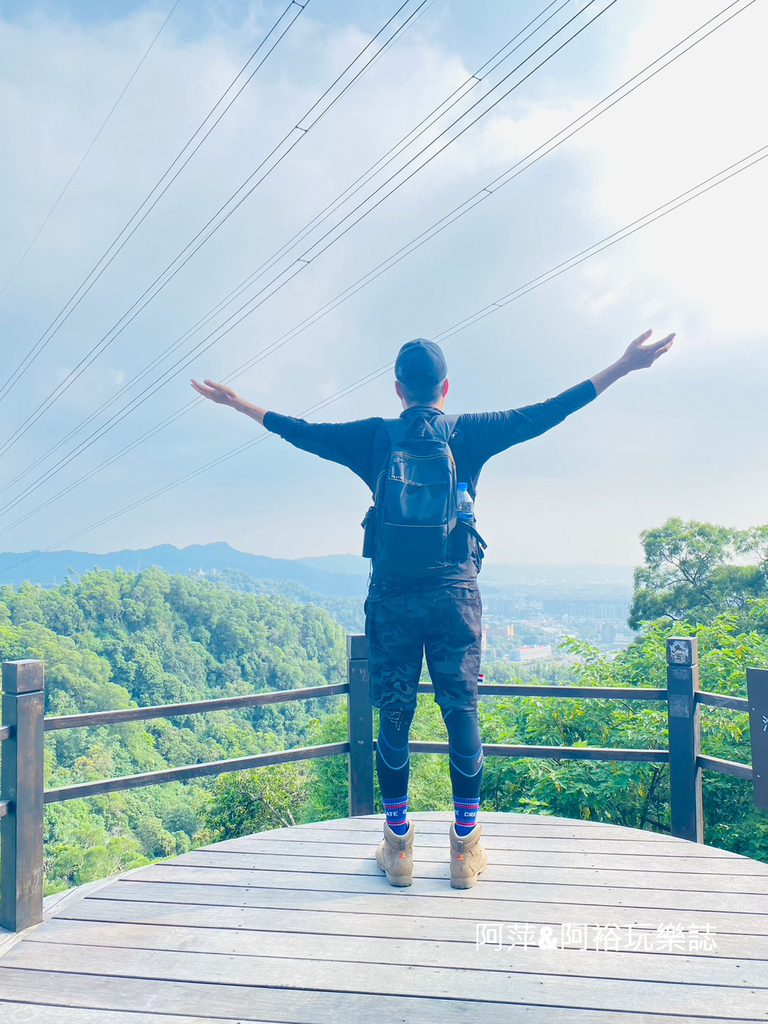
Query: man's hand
[218, 393]
[638, 356]
[223, 395]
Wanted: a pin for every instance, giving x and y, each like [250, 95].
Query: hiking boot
[394, 855]
[468, 857]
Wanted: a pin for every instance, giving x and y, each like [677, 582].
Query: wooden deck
[300, 925]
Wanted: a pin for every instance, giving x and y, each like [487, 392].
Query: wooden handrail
[194, 771]
[22, 796]
[197, 707]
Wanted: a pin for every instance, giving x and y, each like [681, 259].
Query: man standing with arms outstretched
[435, 610]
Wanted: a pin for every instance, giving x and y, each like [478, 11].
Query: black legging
[465, 752]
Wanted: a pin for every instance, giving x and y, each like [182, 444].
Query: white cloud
[699, 271]
[705, 263]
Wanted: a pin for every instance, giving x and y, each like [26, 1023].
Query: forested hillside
[114, 639]
[697, 579]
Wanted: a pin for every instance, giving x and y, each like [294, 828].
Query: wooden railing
[23, 796]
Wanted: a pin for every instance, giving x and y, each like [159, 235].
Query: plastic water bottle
[465, 508]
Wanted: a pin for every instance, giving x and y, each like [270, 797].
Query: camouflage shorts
[444, 623]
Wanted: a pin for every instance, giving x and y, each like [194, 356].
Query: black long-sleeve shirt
[363, 445]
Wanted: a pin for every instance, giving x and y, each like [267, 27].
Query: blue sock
[466, 761]
[395, 811]
[393, 765]
[466, 815]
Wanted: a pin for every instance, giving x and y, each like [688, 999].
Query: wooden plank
[500, 817]
[53, 905]
[451, 983]
[496, 882]
[297, 918]
[26, 1013]
[555, 852]
[21, 783]
[616, 954]
[514, 825]
[292, 1007]
[757, 689]
[684, 730]
[573, 832]
[340, 939]
[249, 700]
[542, 751]
[78, 790]
[694, 852]
[506, 819]
[475, 903]
[702, 875]
[526, 824]
[359, 734]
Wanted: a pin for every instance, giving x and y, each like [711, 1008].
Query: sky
[687, 437]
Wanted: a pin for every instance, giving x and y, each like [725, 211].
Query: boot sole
[463, 883]
[399, 880]
[466, 883]
[396, 879]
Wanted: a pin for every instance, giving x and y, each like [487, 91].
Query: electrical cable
[299, 265]
[94, 140]
[129, 228]
[458, 94]
[214, 223]
[582, 121]
[654, 215]
[482, 72]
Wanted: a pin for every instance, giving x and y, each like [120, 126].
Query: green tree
[694, 571]
[256, 801]
[623, 792]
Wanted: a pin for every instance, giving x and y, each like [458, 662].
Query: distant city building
[607, 633]
[535, 653]
[588, 609]
[497, 604]
[506, 632]
[501, 632]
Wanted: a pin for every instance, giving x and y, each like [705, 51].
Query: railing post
[360, 720]
[684, 738]
[21, 784]
[757, 694]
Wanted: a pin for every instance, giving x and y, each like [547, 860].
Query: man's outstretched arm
[638, 356]
[223, 395]
[493, 432]
[346, 443]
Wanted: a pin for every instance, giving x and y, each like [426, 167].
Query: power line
[612, 98]
[287, 144]
[458, 94]
[293, 270]
[473, 80]
[670, 206]
[168, 177]
[94, 140]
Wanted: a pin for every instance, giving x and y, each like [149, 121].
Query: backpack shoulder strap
[443, 427]
[394, 429]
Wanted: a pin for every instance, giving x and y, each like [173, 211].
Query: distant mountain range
[332, 575]
[51, 567]
[501, 574]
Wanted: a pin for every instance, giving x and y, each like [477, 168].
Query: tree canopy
[117, 639]
[695, 571]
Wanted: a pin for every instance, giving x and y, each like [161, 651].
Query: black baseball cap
[420, 362]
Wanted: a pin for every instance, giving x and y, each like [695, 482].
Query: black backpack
[409, 529]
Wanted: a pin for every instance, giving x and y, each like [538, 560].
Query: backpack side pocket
[477, 546]
[369, 536]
